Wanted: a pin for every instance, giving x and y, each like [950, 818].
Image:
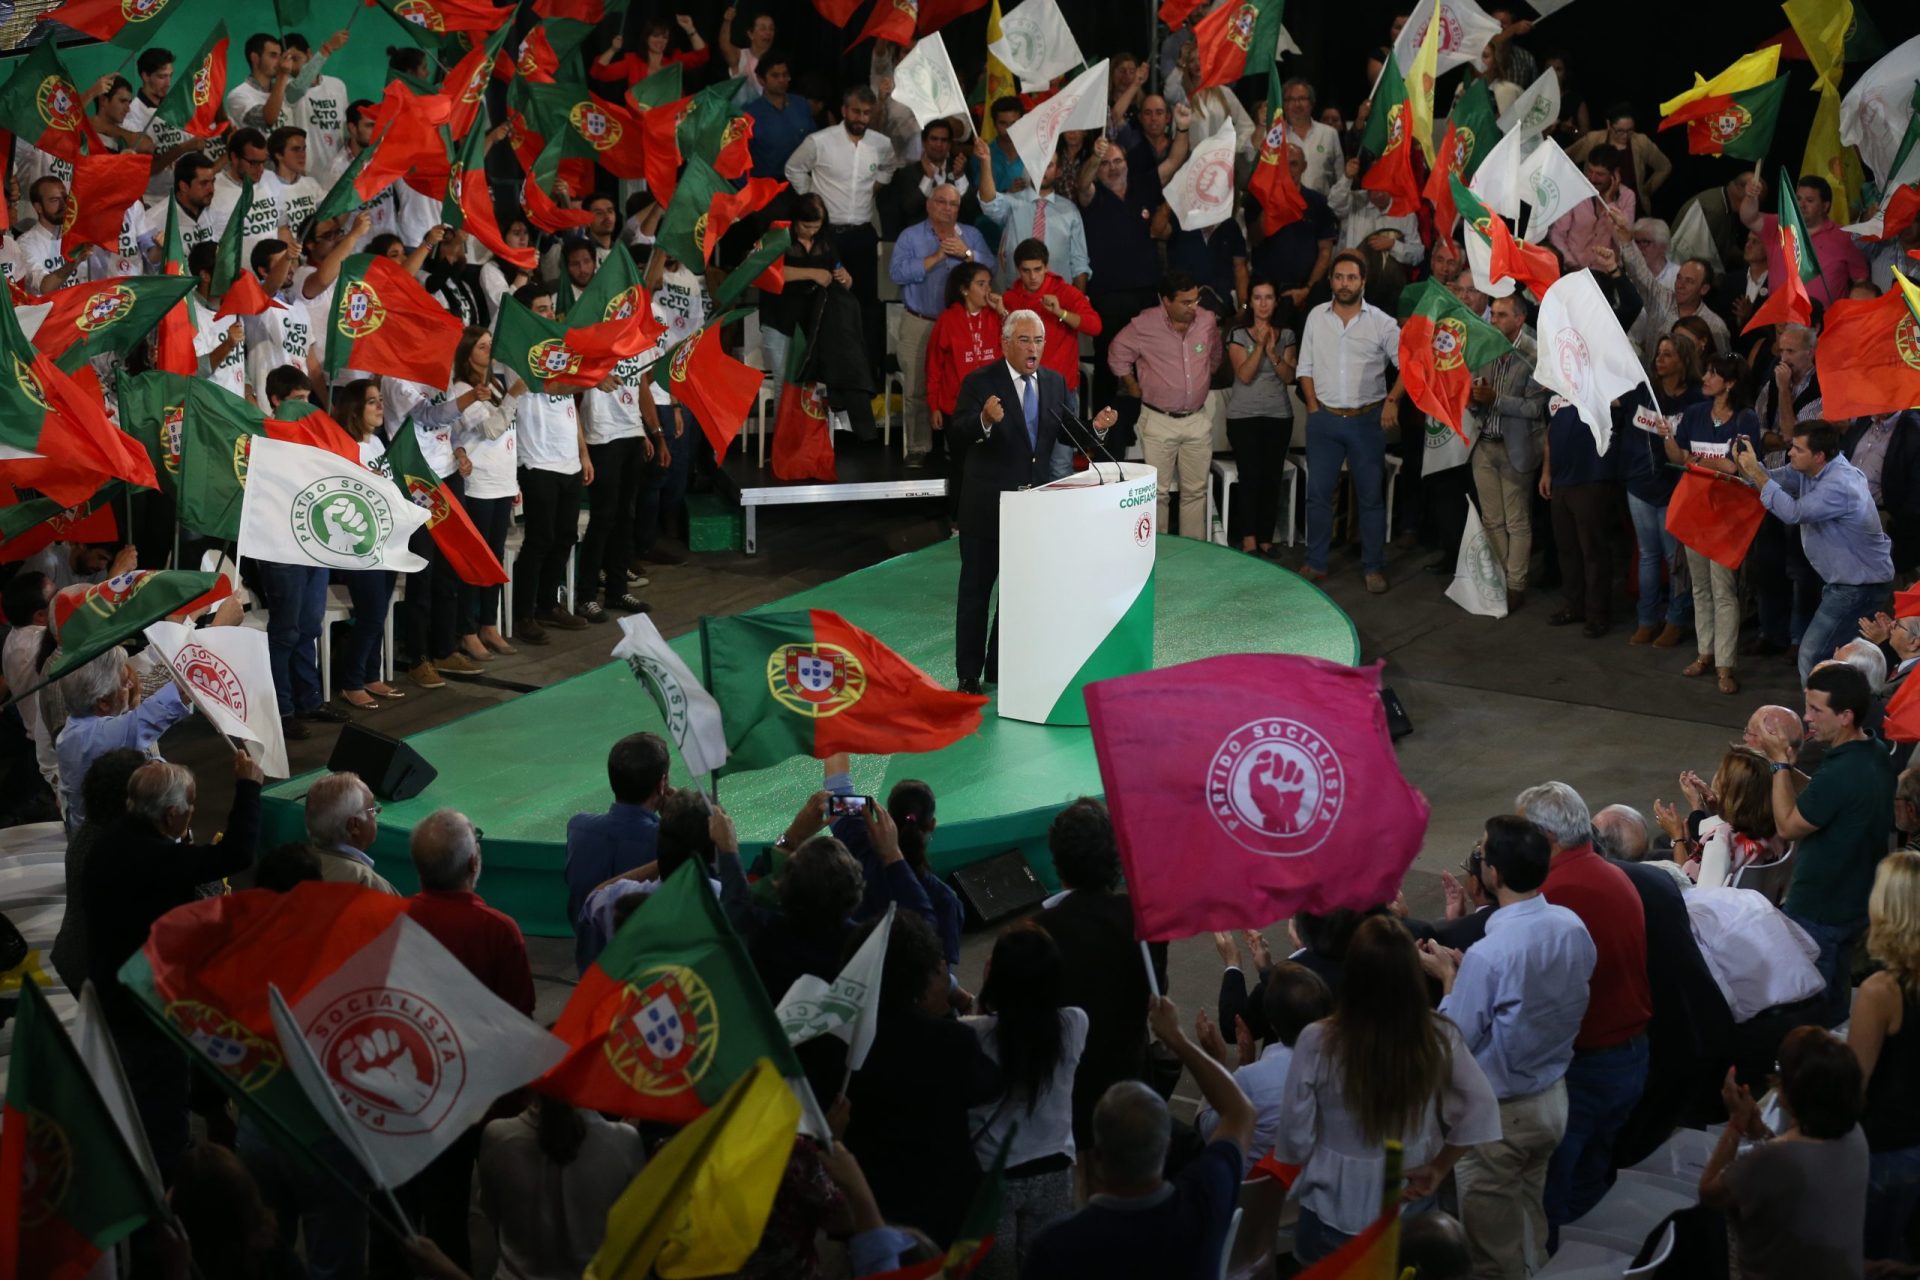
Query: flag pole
[1153, 979]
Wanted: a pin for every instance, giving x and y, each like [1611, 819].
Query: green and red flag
[731, 206]
[537, 61]
[589, 128]
[802, 429]
[1533, 265]
[1902, 207]
[435, 19]
[975, 1239]
[719, 390]
[233, 280]
[615, 293]
[196, 103]
[658, 89]
[669, 1015]
[469, 204]
[466, 85]
[683, 231]
[104, 187]
[217, 430]
[810, 683]
[384, 322]
[763, 268]
[85, 320]
[1472, 129]
[153, 409]
[408, 144]
[30, 527]
[1237, 39]
[1792, 224]
[1272, 184]
[42, 411]
[891, 20]
[90, 619]
[1390, 136]
[125, 24]
[1732, 124]
[40, 105]
[1441, 345]
[72, 1187]
[702, 124]
[1869, 354]
[453, 530]
[302, 422]
[173, 345]
[1788, 302]
[551, 357]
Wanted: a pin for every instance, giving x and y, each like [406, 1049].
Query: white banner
[229, 675]
[692, 715]
[1465, 29]
[1036, 44]
[401, 1050]
[1200, 193]
[1584, 354]
[1553, 185]
[1479, 580]
[1534, 110]
[1081, 105]
[1692, 238]
[1874, 114]
[846, 1008]
[308, 507]
[1497, 180]
[924, 83]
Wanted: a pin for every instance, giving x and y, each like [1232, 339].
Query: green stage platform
[519, 770]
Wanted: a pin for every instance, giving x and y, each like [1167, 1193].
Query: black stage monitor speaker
[1399, 724]
[391, 768]
[998, 888]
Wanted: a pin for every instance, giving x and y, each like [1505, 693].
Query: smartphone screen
[842, 806]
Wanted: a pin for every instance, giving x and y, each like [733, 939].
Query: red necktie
[1040, 218]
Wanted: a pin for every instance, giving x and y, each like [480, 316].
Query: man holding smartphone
[1827, 496]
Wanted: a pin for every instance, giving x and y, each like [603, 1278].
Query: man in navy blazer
[601, 846]
[1007, 419]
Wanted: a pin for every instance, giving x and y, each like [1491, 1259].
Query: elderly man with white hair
[1609, 1069]
[446, 858]
[342, 820]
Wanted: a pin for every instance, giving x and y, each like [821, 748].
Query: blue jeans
[1842, 605]
[296, 609]
[1362, 445]
[1657, 550]
[1893, 1192]
[1602, 1087]
[372, 593]
[663, 490]
[1835, 962]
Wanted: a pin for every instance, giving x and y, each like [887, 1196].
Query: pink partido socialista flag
[1247, 787]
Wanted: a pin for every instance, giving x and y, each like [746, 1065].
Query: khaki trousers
[911, 350]
[1501, 1185]
[1716, 610]
[1506, 505]
[1181, 451]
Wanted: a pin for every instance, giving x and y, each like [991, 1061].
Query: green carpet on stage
[521, 769]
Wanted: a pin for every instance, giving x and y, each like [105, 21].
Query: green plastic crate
[712, 525]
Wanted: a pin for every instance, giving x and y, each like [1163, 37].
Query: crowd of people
[1597, 980]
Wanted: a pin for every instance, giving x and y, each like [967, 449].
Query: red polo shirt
[1062, 352]
[1619, 998]
[488, 942]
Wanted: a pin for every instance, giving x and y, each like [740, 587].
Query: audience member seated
[1620, 834]
[343, 819]
[602, 845]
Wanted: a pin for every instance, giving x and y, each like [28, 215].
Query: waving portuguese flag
[85, 320]
[469, 204]
[43, 411]
[551, 357]
[1732, 124]
[442, 17]
[126, 24]
[810, 683]
[1236, 39]
[104, 187]
[384, 322]
[452, 528]
[28, 528]
[718, 389]
[40, 105]
[1441, 344]
[196, 104]
[89, 620]
[72, 1187]
[1272, 185]
[670, 1014]
[1869, 353]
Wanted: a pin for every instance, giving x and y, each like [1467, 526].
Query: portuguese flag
[111, 316]
[670, 1015]
[730, 207]
[1869, 354]
[408, 144]
[469, 203]
[1494, 253]
[196, 104]
[549, 166]
[441, 17]
[551, 357]
[466, 85]
[802, 432]
[1788, 302]
[719, 390]
[810, 683]
[703, 125]
[72, 1187]
[658, 89]
[1237, 39]
[452, 528]
[1272, 184]
[305, 423]
[590, 128]
[764, 267]
[125, 24]
[614, 293]
[1390, 133]
[153, 409]
[42, 411]
[89, 620]
[384, 322]
[41, 106]
[233, 280]
[1441, 344]
[104, 187]
[173, 346]
[28, 528]
[1732, 124]
[216, 437]
[893, 21]
[1472, 130]
[682, 234]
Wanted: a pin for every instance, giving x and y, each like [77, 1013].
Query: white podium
[1076, 589]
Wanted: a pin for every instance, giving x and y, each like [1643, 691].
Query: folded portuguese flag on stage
[669, 1016]
[810, 683]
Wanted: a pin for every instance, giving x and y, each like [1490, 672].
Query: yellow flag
[1420, 78]
[1822, 27]
[999, 79]
[701, 1204]
[1827, 157]
[1911, 292]
[1750, 72]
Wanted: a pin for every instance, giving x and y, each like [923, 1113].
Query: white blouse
[1048, 1130]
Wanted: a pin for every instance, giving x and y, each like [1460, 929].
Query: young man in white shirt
[286, 179]
[320, 109]
[280, 335]
[256, 102]
[220, 344]
[155, 69]
[47, 266]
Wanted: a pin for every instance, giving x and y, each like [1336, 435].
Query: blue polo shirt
[777, 133]
[1573, 457]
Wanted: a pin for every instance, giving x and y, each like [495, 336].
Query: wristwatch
[968, 255]
[1777, 765]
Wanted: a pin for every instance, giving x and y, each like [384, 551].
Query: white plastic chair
[1226, 1246]
[1228, 473]
[1627, 1216]
[1661, 1253]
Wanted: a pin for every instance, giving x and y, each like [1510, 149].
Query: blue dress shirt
[1521, 993]
[85, 738]
[1839, 527]
[777, 134]
[924, 291]
[601, 846]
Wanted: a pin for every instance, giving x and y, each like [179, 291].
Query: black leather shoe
[969, 686]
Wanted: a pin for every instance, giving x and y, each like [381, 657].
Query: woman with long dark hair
[544, 1181]
[1037, 1038]
[1260, 414]
[1384, 1066]
[484, 438]
[818, 305]
[357, 407]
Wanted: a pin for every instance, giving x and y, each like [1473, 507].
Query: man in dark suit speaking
[1007, 419]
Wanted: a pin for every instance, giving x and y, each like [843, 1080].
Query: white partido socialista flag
[1465, 29]
[1875, 112]
[1693, 238]
[1082, 104]
[1036, 44]
[692, 715]
[1585, 356]
[1479, 580]
[1534, 111]
[1553, 185]
[1200, 193]
[401, 1050]
[846, 1008]
[308, 507]
[1497, 180]
[228, 674]
[925, 84]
